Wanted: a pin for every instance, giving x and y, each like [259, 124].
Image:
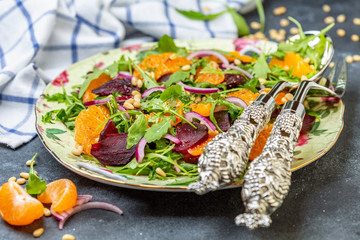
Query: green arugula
[241, 25]
[51, 133]
[148, 81]
[199, 15]
[158, 130]
[172, 91]
[35, 185]
[261, 68]
[166, 44]
[57, 97]
[177, 77]
[260, 10]
[136, 131]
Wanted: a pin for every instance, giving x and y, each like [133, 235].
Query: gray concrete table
[323, 202]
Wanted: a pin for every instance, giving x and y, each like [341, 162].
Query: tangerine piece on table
[202, 108]
[102, 79]
[292, 61]
[213, 78]
[17, 207]
[245, 94]
[199, 149]
[61, 193]
[260, 141]
[87, 130]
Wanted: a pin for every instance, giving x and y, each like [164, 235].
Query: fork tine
[331, 75]
[342, 79]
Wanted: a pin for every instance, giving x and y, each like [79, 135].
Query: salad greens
[35, 185]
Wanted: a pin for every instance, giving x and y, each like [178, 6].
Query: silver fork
[268, 179]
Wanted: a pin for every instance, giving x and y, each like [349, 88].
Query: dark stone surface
[323, 202]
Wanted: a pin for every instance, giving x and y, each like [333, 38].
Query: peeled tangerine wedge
[61, 193]
[17, 207]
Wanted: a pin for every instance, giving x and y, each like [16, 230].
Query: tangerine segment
[245, 94]
[260, 142]
[210, 77]
[102, 79]
[198, 149]
[61, 193]
[202, 108]
[293, 61]
[162, 64]
[87, 126]
[17, 207]
[236, 55]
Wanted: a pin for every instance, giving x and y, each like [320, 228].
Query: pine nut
[137, 98]
[289, 96]
[255, 25]
[28, 163]
[36, 173]
[134, 93]
[47, 212]
[68, 237]
[12, 179]
[294, 30]
[21, 181]
[137, 104]
[307, 60]
[76, 152]
[279, 11]
[172, 56]
[341, 18]
[160, 172]
[284, 100]
[197, 99]
[326, 8]
[331, 65]
[356, 57]
[259, 35]
[38, 232]
[312, 67]
[237, 61]
[286, 68]
[355, 38]
[152, 75]
[284, 22]
[191, 77]
[130, 100]
[203, 99]
[356, 21]
[186, 68]
[341, 32]
[329, 20]
[349, 59]
[24, 175]
[262, 80]
[128, 106]
[139, 83]
[134, 81]
[303, 78]
[282, 32]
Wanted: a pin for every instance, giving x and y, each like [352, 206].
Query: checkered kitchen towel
[40, 38]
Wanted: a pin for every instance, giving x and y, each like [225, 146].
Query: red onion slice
[237, 101]
[123, 75]
[177, 169]
[240, 70]
[249, 48]
[81, 199]
[89, 205]
[191, 115]
[202, 53]
[140, 150]
[199, 90]
[172, 138]
[147, 92]
[121, 108]
[105, 100]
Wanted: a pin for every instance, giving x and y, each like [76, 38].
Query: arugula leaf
[57, 97]
[198, 15]
[241, 25]
[35, 185]
[261, 68]
[158, 130]
[166, 44]
[173, 91]
[136, 131]
[260, 10]
[148, 81]
[301, 32]
[177, 77]
[50, 132]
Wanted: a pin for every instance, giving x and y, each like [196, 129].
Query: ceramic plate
[60, 141]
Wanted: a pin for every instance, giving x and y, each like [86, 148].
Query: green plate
[311, 146]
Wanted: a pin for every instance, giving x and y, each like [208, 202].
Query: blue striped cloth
[41, 38]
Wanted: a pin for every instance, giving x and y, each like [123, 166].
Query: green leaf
[241, 25]
[166, 44]
[148, 81]
[158, 130]
[198, 15]
[261, 68]
[35, 185]
[173, 91]
[57, 97]
[260, 10]
[50, 132]
[301, 32]
[177, 77]
[136, 131]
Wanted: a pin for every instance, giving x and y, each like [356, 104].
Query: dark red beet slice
[233, 80]
[223, 120]
[190, 136]
[108, 129]
[308, 122]
[164, 78]
[122, 86]
[112, 150]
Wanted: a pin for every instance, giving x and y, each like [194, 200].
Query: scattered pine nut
[137, 98]
[289, 96]
[24, 175]
[331, 65]
[12, 179]
[128, 105]
[28, 163]
[255, 25]
[279, 11]
[36, 173]
[139, 83]
[329, 20]
[137, 104]
[76, 151]
[341, 18]
[160, 172]
[260, 35]
[21, 181]
[237, 61]
[38, 232]
[68, 237]
[294, 30]
[186, 68]
[356, 21]
[356, 57]
[341, 32]
[47, 212]
[326, 8]
[172, 56]
[303, 78]
[355, 38]
[284, 22]
[134, 81]
[349, 59]
[134, 93]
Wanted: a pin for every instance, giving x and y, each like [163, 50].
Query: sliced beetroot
[308, 122]
[223, 120]
[190, 136]
[122, 86]
[233, 80]
[164, 78]
[112, 150]
[108, 129]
